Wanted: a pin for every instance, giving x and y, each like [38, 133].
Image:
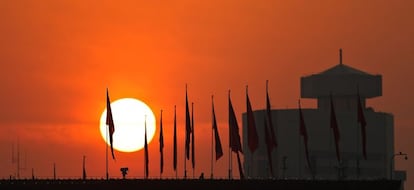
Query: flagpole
[301, 133]
[146, 150]
[185, 165]
[106, 141]
[299, 146]
[192, 138]
[145, 164]
[84, 168]
[299, 153]
[175, 143]
[106, 152]
[212, 145]
[186, 135]
[331, 146]
[240, 167]
[357, 151]
[161, 147]
[230, 163]
[54, 171]
[251, 168]
[357, 139]
[230, 156]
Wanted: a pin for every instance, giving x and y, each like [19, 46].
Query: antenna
[340, 56]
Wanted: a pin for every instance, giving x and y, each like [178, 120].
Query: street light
[392, 160]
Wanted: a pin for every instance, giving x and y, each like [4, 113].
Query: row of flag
[234, 137]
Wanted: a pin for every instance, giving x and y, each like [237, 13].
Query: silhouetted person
[201, 176]
[124, 172]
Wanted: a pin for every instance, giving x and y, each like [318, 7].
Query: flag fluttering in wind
[161, 140]
[252, 138]
[269, 146]
[335, 129]
[234, 136]
[146, 149]
[218, 147]
[269, 118]
[175, 140]
[192, 137]
[363, 123]
[187, 127]
[304, 133]
[110, 122]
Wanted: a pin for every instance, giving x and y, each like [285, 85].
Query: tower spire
[340, 56]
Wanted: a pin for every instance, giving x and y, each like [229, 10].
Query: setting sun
[129, 116]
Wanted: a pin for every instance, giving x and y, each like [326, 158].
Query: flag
[110, 122]
[304, 133]
[146, 150]
[252, 138]
[219, 149]
[240, 166]
[175, 140]
[234, 136]
[161, 140]
[187, 127]
[269, 118]
[192, 137]
[363, 123]
[334, 126]
[269, 146]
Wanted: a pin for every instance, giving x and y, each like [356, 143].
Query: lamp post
[392, 161]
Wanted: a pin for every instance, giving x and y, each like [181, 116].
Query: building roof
[342, 69]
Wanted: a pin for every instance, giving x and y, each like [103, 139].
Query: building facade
[342, 83]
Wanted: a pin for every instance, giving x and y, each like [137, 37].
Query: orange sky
[58, 57]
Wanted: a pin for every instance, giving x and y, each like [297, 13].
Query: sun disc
[130, 116]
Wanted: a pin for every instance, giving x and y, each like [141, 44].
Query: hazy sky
[58, 57]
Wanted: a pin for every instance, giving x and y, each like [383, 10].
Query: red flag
[334, 126]
[234, 136]
[269, 146]
[269, 118]
[363, 123]
[175, 140]
[110, 122]
[146, 150]
[187, 127]
[219, 149]
[161, 140]
[252, 138]
[192, 137]
[304, 133]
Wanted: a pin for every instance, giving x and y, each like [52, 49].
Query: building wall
[289, 160]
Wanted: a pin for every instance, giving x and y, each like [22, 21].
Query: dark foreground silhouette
[198, 184]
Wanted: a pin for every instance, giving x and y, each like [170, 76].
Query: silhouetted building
[289, 159]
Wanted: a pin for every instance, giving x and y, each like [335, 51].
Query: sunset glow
[58, 57]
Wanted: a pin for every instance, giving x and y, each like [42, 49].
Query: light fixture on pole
[392, 161]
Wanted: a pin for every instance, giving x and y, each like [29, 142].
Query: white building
[289, 160]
